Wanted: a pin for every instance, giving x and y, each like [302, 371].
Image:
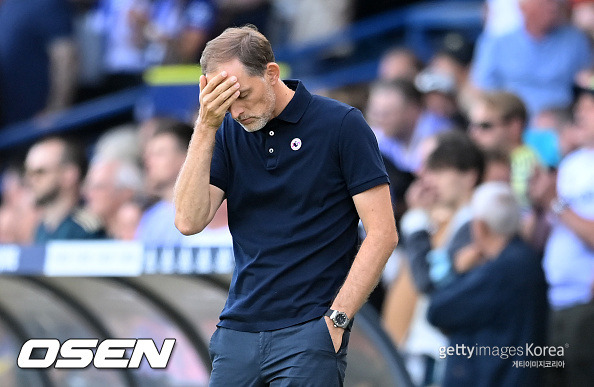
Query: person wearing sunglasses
[496, 122]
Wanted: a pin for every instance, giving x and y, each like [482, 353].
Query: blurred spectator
[498, 304]
[37, 58]
[497, 121]
[395, 112]
[439, 93]
[148, 128]
[18, 214]
[55, 168]
[569, 253]
[582, 16]
[399, 63]
[177, 30]
[452, 171]
[435, 227]
[537, 61]
[453, 59]
[164, 156]
[109, 184]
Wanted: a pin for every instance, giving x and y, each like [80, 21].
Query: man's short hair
[181, 131]
[456, 150]
[495, 204]
[73, 152]
[404, 87]
[508, 105]
[244, 43]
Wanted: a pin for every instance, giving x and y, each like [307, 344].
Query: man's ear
[272, 72]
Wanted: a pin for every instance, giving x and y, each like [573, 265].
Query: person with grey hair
[110, 183]
[499, 305]
[120, 142]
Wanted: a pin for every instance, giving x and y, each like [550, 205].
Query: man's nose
[236, 110]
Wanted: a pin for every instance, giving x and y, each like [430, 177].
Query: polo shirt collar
[297, 105]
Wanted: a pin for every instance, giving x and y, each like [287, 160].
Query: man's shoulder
[519, 256]
[85, 221]
[570, 31]
[330, 105]
[577, 159]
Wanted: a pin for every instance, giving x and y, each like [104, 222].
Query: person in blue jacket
[495, 313]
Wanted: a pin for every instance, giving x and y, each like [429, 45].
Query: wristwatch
[340, 319]
[558, 205]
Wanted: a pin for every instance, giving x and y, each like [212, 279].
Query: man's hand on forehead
[217, 93]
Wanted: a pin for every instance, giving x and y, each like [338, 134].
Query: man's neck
[284, 94]
[536, 31]
[54, 213]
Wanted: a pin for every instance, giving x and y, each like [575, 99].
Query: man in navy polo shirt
[298, 172]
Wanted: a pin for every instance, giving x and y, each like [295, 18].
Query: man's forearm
[192, 188]
[365, 272]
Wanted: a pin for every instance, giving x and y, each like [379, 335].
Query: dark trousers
[300, 355]
[573, 329]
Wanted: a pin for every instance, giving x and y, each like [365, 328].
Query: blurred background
[97, 102]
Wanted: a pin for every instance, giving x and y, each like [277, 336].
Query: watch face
[340, 319]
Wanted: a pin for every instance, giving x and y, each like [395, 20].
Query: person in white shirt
[569, 254]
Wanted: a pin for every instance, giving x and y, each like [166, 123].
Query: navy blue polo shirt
[289, 189]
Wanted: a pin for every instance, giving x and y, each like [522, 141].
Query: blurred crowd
[54, 53]
[489, 147]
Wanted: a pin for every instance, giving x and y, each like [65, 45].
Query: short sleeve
[361, 162]
[219, 172]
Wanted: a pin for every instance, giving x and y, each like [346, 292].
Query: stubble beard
[262, 120]
[47, 198]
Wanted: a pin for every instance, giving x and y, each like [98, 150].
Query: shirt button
[270, 150]
[271, 133]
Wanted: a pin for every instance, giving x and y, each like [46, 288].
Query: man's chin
[252, 127]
